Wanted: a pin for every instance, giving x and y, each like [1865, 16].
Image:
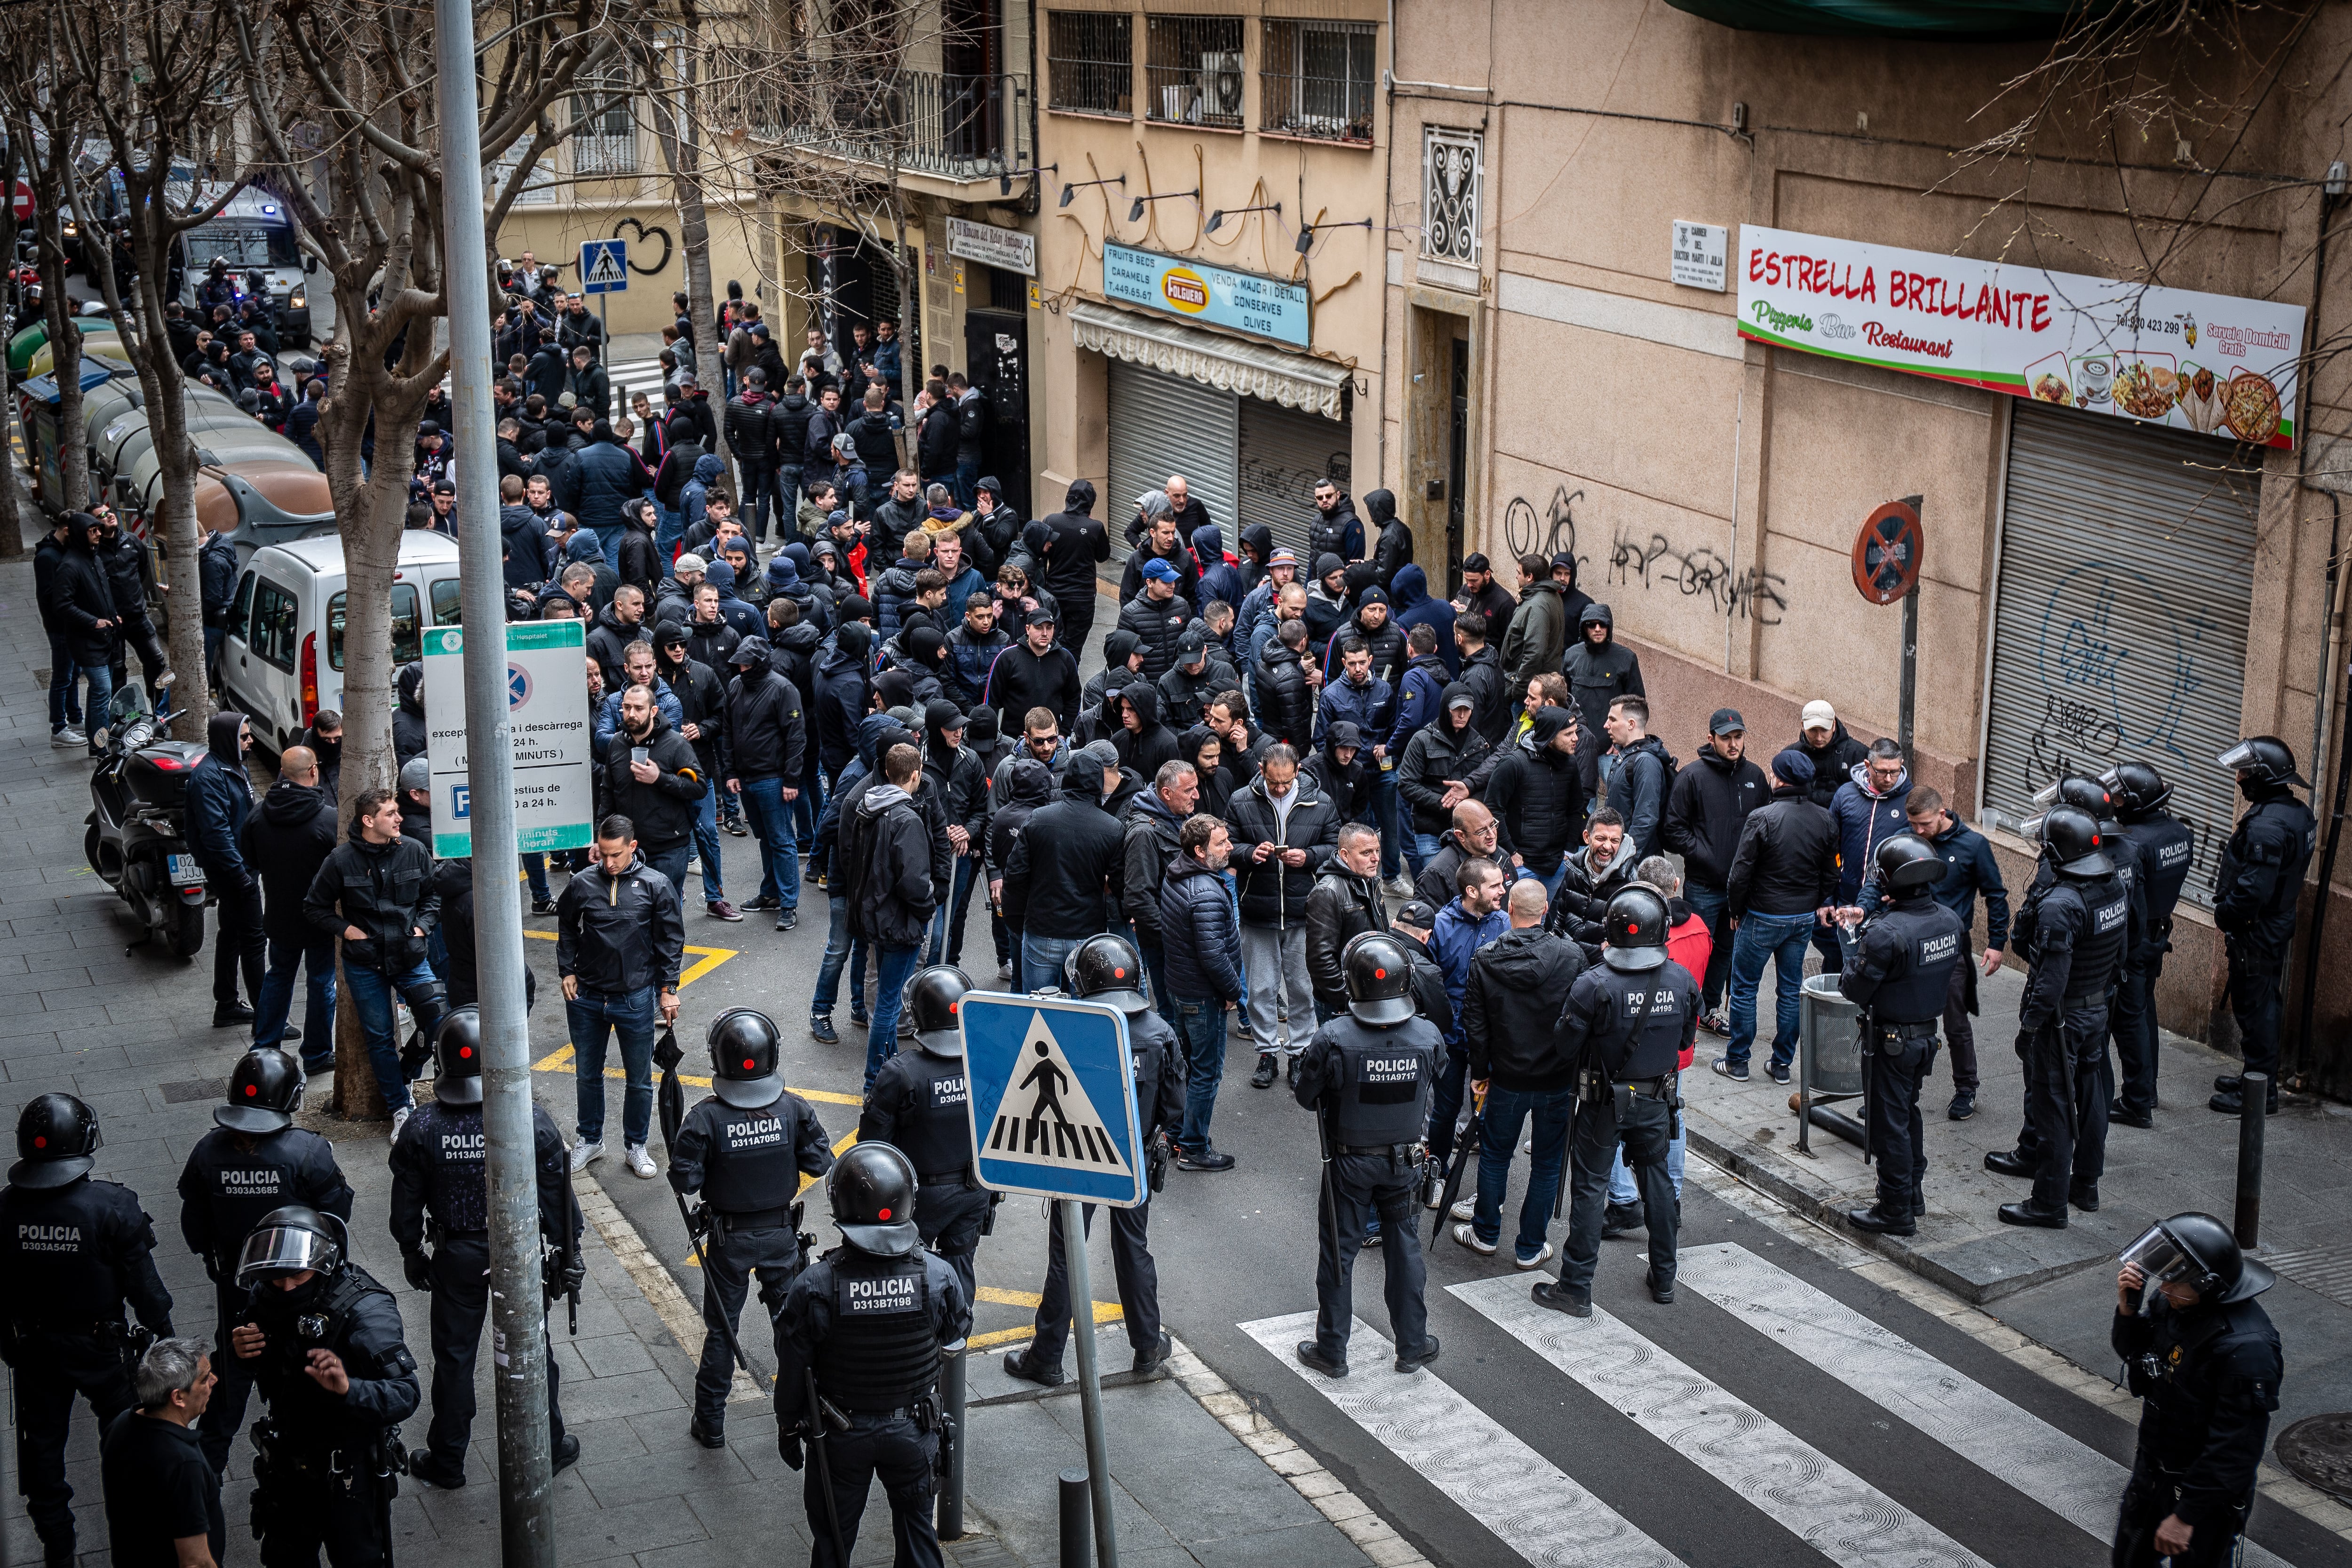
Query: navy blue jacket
[1968, 869]
[1199, 935]
[219, 798]
[1411, 605]
[1863, 822]
[1371, 707]
[602, 475]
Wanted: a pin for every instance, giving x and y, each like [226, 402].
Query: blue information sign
[1195, 291]
[1052, 1098]
[605, 267]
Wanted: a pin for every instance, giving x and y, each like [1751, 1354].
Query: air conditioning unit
[1220, 85]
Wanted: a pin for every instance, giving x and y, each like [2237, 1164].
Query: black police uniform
[325, 1464]
[1629, 1029]
[440, 1178]
[872, 1330]
[1370, 1089]
[2210, 1381]
[1157, 1060]
[2167, 849]
[2255, 891]
[1901, 976]
[748, 1164]
[2074, 931]
[231, 1181]
[70, 1257]
[916, 1106]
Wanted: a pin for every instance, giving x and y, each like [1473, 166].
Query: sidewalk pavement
[129, 1032]
[2187, 1161]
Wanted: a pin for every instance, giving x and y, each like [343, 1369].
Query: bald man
[1472, 837]
[287, 838]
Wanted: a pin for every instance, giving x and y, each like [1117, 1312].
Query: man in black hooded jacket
[219, 798]
[1392, 550]
[1537, 796]
[288, 839]
[765, 735]
[1077, 543]
[960, 779]
[1142, 742]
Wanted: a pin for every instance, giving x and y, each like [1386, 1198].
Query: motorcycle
[138, 827]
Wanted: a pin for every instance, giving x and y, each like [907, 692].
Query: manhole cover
[2319, 1449]
[194, 1089]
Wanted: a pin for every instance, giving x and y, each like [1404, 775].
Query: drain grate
[2318, 1448]
[2325, 1270]
[194, 1089]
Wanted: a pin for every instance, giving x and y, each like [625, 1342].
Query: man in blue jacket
[219, 796]
[1467, 923]
[1868, 810]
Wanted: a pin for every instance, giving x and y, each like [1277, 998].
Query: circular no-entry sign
[21, 201]
[1886, 553]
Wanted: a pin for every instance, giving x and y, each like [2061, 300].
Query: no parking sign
[547, 704]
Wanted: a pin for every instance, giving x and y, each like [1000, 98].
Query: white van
[283, 659]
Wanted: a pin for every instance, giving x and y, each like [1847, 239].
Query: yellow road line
[807, 1181]
[709, 959]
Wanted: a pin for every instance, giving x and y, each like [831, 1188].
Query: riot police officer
[2202, 1353]
[2167, 849]
[1367, 1075]
[1901, 976]
[2255, 890]
[73, 1251]
[325, 1342]
[2074, 930]
[857, 1362]
[916, 1106]
[254, 1160]
[440, 1192]
[1631, 1017]
[744, 1149]
[1107, 969]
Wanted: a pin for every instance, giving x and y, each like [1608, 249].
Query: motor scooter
[138, 838]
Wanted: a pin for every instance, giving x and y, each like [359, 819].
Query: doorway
[996, 359]
[1438, 472]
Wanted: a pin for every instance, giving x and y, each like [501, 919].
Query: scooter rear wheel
[186, 936]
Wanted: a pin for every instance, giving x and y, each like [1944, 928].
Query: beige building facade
[1576, 193]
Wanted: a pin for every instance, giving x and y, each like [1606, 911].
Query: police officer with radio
[744, 1149]
[1367, 1075]
[916, 1106]
[857, 1362]
[73, 1252]
[254, 1160]
[440, 1192]
[324, 1340]
[1629, 1017]
[2074, 930]
[2167, 849]
[1107, 969]
[2255, 890]
[2202, 1353]
[1900, 976]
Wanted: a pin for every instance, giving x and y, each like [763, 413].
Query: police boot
[58, 1549]
[1022, 1364]
[1880, 1219]
[2232, 1101]
[2084, 1196]
[2027, 1214]
[1560, 1298]
[1309, 1356]
[1622, 1219]
[433, 1472]
[2009, 1163]
[712, 1435]
[1660, 1287]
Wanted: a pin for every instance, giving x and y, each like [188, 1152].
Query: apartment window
[1090, 62]
[1193, 73]
[605, 135]
[1316, 79]
[1452, 171]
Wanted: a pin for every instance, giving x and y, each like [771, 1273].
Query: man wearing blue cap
[1783, 872]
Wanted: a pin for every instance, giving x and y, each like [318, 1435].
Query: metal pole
[526, 1497]
[2254, 1110]
[1082, 1319]
[950, 1514]
[1074, 1496]
[1910, 671]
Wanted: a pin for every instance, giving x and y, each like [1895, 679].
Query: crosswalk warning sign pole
[1082, 1324]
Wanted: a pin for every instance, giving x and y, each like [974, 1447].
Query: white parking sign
[547, 703]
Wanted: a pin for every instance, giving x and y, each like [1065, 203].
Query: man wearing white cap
[1834, 755]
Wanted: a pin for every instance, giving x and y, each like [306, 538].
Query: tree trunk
[12, 528]
[682, 153]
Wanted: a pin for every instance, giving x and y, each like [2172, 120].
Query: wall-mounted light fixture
[1217, 219]
[1074, 188]
[1135, 213]
[1306, 231]
[1004, 177]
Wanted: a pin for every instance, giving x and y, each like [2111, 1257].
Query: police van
[254, 235]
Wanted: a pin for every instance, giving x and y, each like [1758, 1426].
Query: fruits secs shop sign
[2205, 362]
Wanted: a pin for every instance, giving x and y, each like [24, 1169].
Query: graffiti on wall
[1547, 534]
[1655, 562]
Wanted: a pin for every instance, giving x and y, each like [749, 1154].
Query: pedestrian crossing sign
[1053, 1098]
[605, 267]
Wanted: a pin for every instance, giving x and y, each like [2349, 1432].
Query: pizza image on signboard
[2250, 403]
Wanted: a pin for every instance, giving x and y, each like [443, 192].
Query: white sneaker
[583, 1152]
[399, 1119]
[1469, 1238]
[1464, 1208]
[1537, 1262]
[68, 736]
[1397, 888]
[640, 1163]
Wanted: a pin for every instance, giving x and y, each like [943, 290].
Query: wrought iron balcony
[931, 123]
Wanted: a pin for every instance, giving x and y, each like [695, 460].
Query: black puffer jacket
[1537, 796]
[664, 811]
[1518, 984]
[385, 890]
[1159, 625]
[766, 734]
[1832, 764]
[1066, 876]
[1273, 893]
[1436, 753]
[287, 838]
[1287, 700]
[1787, 862]
[1149, 847]
[1705, 808]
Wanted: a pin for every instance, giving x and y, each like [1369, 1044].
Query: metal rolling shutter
[1162, 426]
[2120, 630]
[1283, 453]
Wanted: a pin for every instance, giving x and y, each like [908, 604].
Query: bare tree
[45, 126]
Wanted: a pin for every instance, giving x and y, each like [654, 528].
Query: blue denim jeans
[947, 922]
[668, 532]
[1506, 1109]
[1711, 906]
[895, 968]
[100, 681]
[594, 1018]
[1040, 959]
[1421, 849]
[1622, 1189]
[841, 951]
[772, 824]
[811, 803]
[65, 701]
[706, 845]
[1200, 1025]
[1551, 882]
[967, 485]
[671, 864]
[315, 956]
[788, 501]
[1783, 940]
[534, 871]
[372, 993]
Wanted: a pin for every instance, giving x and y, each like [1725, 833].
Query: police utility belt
[1892, 1037]
[1382, 1151]
[1592, 1083]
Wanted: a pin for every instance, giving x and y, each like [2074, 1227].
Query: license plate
[184, 872]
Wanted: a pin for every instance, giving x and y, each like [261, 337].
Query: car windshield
[242, 244]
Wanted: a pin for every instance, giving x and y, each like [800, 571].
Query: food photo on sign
[2210, 363]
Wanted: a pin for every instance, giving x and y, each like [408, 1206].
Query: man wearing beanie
[1783, 871]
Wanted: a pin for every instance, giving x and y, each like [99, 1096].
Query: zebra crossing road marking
[1789, 1482]
[1527, 1503]
[2071, 1479]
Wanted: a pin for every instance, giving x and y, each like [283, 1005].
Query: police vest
[2285, 819]
[295, 1323]
[1382, 1082]
[456, 1167]
[2103, 926]
[2208, 1364]
[751, 1164]
[1148, 1042]
[57, 1254]
[882, 1352]
[929, 1123]
[237, 1186]
[2167, 850]
[1928, 939]
[1641, 1034]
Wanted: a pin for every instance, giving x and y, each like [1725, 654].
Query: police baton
[820, 1442]
[1472, 1137]
[671, 1098]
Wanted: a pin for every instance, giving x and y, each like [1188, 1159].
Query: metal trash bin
[1829, 1033]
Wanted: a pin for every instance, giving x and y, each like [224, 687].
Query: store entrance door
[996, 358]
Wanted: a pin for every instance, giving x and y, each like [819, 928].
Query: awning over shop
[1229, 364]
[1948, 21]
